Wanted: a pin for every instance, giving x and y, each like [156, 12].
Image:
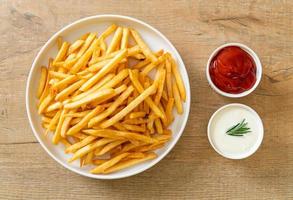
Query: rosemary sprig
[239, 129]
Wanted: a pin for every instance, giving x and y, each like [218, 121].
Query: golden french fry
[106, 69]
[169, 78]
[115, 41]
[58, 75]
[109, 147]
[88, 148]
[66, 124]
[84, 121]
[177, 99]
[135, 121]
[160, 86]
[42, 81]
[179, 81]
[137, 114]
[128, 163]
[95, 96]
[62, 52]
[125, 36]
[45, 103]
[132, 127]
[78, 114]
[108, 31]
[158, 125]
[141, 64]
[101, 168]
[84, 58]
[169, 108]
[57, 135]
[145, 49]
[152, 65]
[53, 122]
[120, 135]
[73, 148]
[63, 83]
[149, 101]
[112, 108]
[90, 38]
[69, 90]
[75, 46]
[129, 107]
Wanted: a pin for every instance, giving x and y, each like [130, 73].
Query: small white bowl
[257, 120]
[99, 23]
[258, 70]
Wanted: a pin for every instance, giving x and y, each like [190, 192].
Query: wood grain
[192, 170]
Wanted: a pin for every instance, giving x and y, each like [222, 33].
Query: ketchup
[233, 70]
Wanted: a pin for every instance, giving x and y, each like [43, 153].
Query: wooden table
[193, 170]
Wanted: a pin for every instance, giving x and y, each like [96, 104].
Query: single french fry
[69, 90]
[45, 103]
[130, 52]
[109, 147]
[63, 83]
[179, 81]
[152, 65]
[128, 163]
[84, 121]
[101, 168]
[103, 47]
[108, 31]
[66, 124]
[142, 64]
[169, 108]
[158, 125]
[150, 125]
[149, 101]
[160, 86]
[98, 66]
[88, 159]
[84, 36]
[53, 122]
[62, 52]
[135, 121]
[84, 58]
[102, 82]
[129, 107]
[57, 134]
[145, 49]
[58, 75]
[137, 114]
[87, 43]
[78, 114]
[169, 78]
[177, 99]
[132, 127]
[75, 46]
[42, 81]
[119, 127]
[80, 136]
[95, 96]
[73, 148]
[125, 36]
[115, 41]
[88, 148]
[120, 135]
[112, 108]
[106, 69]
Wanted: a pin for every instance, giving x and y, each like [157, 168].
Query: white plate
[156, 41]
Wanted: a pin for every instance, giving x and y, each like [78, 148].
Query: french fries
[106, 111]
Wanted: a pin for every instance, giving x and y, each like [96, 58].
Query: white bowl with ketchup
[234, 70]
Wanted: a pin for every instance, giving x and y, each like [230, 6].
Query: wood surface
[193, 170]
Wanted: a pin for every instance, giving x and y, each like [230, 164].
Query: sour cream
[235, 147]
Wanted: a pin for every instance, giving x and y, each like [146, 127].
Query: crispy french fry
[177, 99]
[66, 124]
[106, 69]
[137, 114]
[158, 125]
[95, 96]
[88, 148]
[69, 90]
[179, 81]
[145, 49]
[115, 41]
[42, 81]
[108, 31]
[135, 121]
[73, 148]
[75, 46]
[128, 163]
[62, 52]
[129, 107]
[101, 168]
[169, 78]
[84, 121]
[57, 135]
[132, 127]
[149, 101]
[169, 108]
[160, 86]
[125, 36]
[152, 65]
[112, 108]
[45, 103]
[109, 147]
[90, 38]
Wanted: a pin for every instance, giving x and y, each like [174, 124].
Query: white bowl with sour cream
[235, 147]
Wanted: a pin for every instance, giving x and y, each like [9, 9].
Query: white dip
[235, 147]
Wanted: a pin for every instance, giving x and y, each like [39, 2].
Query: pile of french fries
[99, 100]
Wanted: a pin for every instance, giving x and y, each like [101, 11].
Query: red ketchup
[233, 70]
